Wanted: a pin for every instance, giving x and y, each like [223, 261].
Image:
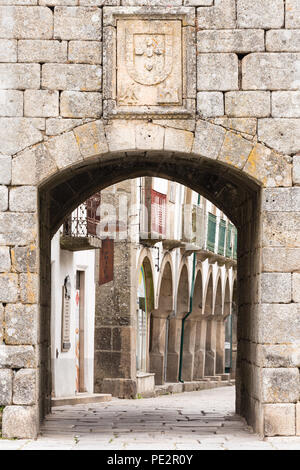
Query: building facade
[72, 331]
[159, 291]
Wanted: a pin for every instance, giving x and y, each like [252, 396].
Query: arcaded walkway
[191, 420]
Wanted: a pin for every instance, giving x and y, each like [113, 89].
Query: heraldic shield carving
[149, 63]
[149, 57]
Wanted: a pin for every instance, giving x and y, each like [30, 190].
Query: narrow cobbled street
[186, 421]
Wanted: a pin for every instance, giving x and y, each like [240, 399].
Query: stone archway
[219, 116]
[246, 180]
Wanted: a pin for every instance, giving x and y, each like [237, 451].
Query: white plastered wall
[65, 263]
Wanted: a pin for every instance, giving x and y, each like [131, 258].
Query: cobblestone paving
[186, 421]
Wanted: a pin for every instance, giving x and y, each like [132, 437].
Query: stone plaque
[149, 63]
[66, 315]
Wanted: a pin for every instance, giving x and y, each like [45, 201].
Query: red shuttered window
[158, 212]
[93, 218]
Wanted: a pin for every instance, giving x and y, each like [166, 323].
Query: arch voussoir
[98, 140]
[93, 141]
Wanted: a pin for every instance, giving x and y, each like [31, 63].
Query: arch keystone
[120, 135]
[149, 136]
[177, 140]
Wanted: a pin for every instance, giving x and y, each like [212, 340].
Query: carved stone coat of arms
[149, 67]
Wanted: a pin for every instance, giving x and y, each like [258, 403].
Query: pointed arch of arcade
[145, 261]
[183, 290]
[208, 294]
[218, 295]
[166, 276]
[198, 293]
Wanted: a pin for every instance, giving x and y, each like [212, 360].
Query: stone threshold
[205, 384]
[81, 399]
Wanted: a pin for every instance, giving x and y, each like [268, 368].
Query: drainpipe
[189, 312]
[166, 348]
[169, 317]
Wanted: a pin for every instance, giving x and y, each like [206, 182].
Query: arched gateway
[150, 127]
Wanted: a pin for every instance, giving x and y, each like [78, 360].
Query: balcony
[80, 228]
[193, 229]
[225, 251]
[221, 260]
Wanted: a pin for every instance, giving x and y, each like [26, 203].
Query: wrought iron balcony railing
[80, 228]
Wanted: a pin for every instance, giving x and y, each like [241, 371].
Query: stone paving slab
[203, 420]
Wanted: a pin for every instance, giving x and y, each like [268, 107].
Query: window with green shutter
[211, 232]
[222, 232]
[229, 241]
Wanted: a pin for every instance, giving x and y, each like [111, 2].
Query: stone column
[210, 351]
[220, 346]
[189, 349]
[175, 325]
[115, 309]
[157, 351]
[199, 355]
[115, 329]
